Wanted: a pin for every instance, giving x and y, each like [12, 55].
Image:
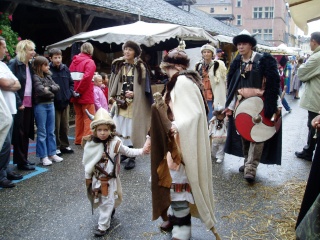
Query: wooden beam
[87, 24]
[12, 6]
[78, 23]
[67, 21]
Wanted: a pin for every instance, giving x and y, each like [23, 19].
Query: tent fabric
[143, 33]
[303, 11]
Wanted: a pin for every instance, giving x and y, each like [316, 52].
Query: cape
[194, 145]
[92, 154]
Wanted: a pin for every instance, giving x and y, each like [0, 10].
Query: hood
[77, 59]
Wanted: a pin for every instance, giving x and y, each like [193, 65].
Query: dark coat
[313, 185]
[62, 77]
[273, 147]
[19, 70]
[43, 89]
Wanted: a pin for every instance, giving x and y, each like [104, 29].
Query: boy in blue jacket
[61, 75]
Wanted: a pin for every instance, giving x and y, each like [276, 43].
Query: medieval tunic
[93, 152]
[142, 99]
[188, 108]
[262, 80]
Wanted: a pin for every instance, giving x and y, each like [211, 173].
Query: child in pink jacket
[99, 97]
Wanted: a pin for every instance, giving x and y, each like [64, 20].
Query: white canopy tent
[303, 12]
[143, 33]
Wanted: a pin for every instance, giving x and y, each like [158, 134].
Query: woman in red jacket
[82, 69]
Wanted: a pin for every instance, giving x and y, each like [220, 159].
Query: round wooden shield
[251, 122]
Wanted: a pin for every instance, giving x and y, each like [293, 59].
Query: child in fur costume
[218, 133]
[102, 165]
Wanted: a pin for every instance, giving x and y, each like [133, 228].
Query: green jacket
[309, 73]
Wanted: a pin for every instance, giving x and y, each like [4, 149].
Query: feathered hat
[175, 57]
[134, 46]
[101, 117]
[208, 47]
[244, 37]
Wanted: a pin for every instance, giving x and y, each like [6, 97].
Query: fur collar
[118, 63]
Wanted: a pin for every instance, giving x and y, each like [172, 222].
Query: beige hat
[208, 47]
[102, 116]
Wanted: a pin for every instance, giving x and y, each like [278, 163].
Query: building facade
[269, 19]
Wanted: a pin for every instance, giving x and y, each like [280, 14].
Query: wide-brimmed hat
[134, 46]
[244, 37]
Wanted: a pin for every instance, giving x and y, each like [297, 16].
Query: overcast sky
[313, 27]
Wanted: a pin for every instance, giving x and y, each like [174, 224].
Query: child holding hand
[101, 160]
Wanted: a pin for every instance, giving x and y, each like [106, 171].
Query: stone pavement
[50, 203]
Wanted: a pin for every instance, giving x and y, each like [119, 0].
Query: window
[258, 33]
[211, 10]
[239, 20]
[257, 12]
[268, 12]
[263, 34]
[239, 3]
[263, 12]
[267, 34]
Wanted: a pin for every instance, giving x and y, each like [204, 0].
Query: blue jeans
[45, 121]
[210, 114]
[285, 104]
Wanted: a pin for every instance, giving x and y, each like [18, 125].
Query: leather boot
[166, 226]
[130, 164]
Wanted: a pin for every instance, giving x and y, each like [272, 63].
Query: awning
[143, 33]
[303, 12]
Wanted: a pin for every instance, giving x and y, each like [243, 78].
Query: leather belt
[180, 187]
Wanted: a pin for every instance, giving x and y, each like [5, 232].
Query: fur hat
[244, 37]
[208, 47]
[134, 46]
[175, 57]
[102, 117]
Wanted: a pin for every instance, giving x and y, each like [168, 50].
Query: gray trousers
[252, 153]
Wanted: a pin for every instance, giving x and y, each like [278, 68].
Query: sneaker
[67, 150]
[58, 152]
[56, 158]
[219, 160]
[45, 161]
